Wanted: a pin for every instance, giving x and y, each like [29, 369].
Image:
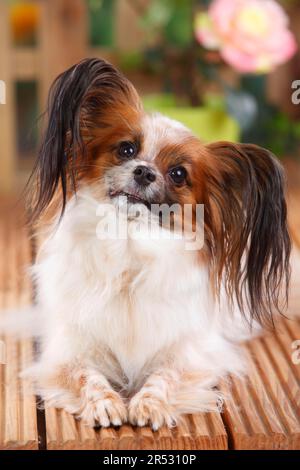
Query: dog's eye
[127, 150]
[178, 174]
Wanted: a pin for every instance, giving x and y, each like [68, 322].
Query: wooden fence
[62, 40]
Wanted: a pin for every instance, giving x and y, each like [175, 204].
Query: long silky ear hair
[246, 221]
[78, 99]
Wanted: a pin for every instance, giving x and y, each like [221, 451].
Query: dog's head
[98, 134]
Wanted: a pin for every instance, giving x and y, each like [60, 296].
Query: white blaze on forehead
[159, 131]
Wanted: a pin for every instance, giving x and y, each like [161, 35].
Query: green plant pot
[208, 123]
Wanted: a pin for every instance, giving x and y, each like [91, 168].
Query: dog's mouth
[131, 197]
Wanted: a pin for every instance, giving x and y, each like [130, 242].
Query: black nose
[144, 175]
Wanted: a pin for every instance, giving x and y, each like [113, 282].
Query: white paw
[103, 407]
[146, 408]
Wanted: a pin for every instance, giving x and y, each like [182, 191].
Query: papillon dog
[138, 327]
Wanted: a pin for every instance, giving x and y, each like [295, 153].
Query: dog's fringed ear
[78, 101]
[246, 224]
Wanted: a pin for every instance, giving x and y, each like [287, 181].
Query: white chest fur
[134, 297]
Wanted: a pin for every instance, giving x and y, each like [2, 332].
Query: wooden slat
[63, 37]
[7, 110]
[203, 431]
[17, 411]
[25, 63]
[263, 411]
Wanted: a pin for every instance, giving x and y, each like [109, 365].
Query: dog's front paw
[103, 407]
[146, 408]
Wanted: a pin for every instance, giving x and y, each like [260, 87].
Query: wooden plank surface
[261, 412]
[18, 429]
[201, 431]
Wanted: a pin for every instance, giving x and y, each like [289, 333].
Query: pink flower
[252, 35]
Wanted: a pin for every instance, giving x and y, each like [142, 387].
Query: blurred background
[226, 68]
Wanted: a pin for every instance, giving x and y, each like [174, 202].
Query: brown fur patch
[91, 105]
